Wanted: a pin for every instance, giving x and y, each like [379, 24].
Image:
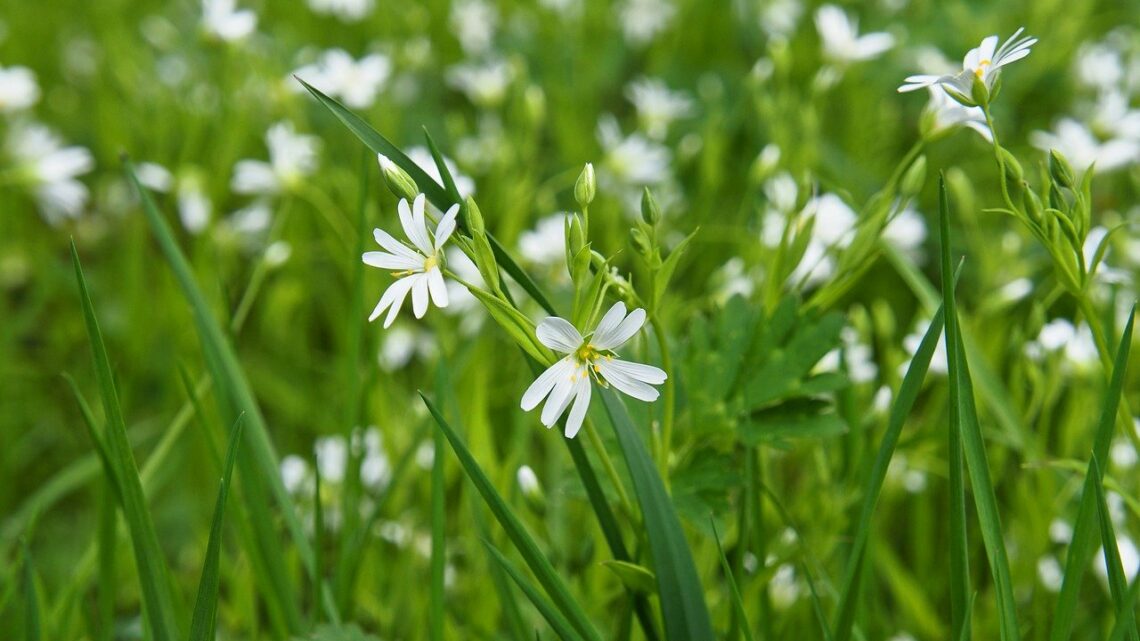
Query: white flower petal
[560, 396]
[624, 331]
[446, 226]
[582, 392]
[437, 287]
[384, 260]
[558, 334]
[545, 382]
[415, 233]
[393, 298]
[385, 240]
[624, 383]
[419, 294]
[610, 321]
[638, 371]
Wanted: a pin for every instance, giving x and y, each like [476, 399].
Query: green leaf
[1117, 582]
[434, 192]
[682, 598]
[206, 605]
[557, 622]
[346, 632]
[1082, 546]
[796, 418]
[633, 576]
[737, 600]
[535, 559]
[155, 584]
[964, 418]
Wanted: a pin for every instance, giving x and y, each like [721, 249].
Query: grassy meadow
[354, 320]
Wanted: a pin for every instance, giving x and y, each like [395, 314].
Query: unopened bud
[474, 218]
[575, 237]
[640, 242]
[914, 177]
[1033, 206]
[398, 180]
[530, 489]
[586, 186]
[1013, 171]
[1061, 170]
[650, 212]
[979, 91]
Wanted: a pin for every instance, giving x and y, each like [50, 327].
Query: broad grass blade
[683, 607]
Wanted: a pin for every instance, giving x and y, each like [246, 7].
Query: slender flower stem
[260, 270]
[611, 471]
[998, 158]
[669, 395]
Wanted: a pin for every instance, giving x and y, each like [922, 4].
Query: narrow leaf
[557, 622]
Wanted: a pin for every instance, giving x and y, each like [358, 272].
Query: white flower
[840, 37]
[294, 472]
[657, 106]
[1099, 65]
[631, 160]
[332, 457]
[938, 361]
[527, 480]
[485, 84]
[947, 114]
[18, 89]
[50, 169]
[1060, 531]
[221, 19]
[401, 344]
[346, 10]
[473, 23]
[1081, 147]
[778, 18]
[355, 82]
[194, 206]
[641, 20]
[1056, 334]
[546, 243]
[419, 265]
[590, 357]
[1050, 573]
[983, 62]
[292, 156]
[906, 231]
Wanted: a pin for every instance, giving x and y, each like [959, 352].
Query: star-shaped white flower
[418, 265]
[590, 357]
[840, 37]
[983, 62]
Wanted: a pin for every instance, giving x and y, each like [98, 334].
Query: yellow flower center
[586, 354]
[981, 70]
[430, 262]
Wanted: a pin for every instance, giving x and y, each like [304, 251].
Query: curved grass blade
[683, 606]
[155, 588]
[434, 192]
[737, 601]
[1122, 626]
[1082, 547]
[964, 422]
[557, 622]
[206, 604]
[522, 540]
[1117, 583]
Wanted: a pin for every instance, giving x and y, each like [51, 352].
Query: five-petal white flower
[590, 357]
[419, 265]
[983, 62]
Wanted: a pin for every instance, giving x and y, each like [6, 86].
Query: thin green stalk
[608, 464]
[669, 398]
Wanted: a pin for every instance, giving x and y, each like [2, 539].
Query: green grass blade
[1117, 583]
[437, 194]
[900, 409]
[106, 582]
[206, 605]
[964, 420]
[535, 559]
[155, 584]
[507, 602]
[259, 462]
[1127, 625]
[557, 622]
[959, 559]
[683, 606]
[438, 549]
[737, 600]
[32, 624]
[1082, 546]
[318, 539]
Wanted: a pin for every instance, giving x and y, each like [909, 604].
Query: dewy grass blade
[234, 397]
[900, 409]
[964, 412]
[155, 584]
[434, 192]
[206, 604]
[1082, 546]
[683, 605]
[959, 559]
[535, 559]
[1117, 582]
[558, 623]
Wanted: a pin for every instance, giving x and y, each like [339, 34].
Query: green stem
[670, 398]
[998, 159]
[608, 464]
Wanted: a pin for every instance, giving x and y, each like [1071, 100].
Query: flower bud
[650, 212]
[640, 242]
[1033, 206]
[575, 237]
[474, 218]
[1061, 170]
[586, 186]
[530, 489]
[979, 91]
[1013, 171]
[914, 177]
[398, 180]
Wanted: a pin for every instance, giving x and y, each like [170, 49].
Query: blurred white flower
[332, 458]
[251, 221]
[1056, 334]
[221, 19]
[50, 169]
[154, 176]
[946, 114]
[657, 106]
[1099, 65]
[1081, 350]
[569, 379]
[1123, 454]
[839, 35]
[401, 344]
[642, 20]
[779, 18]
[461, 302]
[783, 588]
[938, 362]
[630, 160]
[473, 23]
[732, 279]
[983, 62]
[18, 89]
[906, 231]
[485, 84]
[294, 473]
[194, 207]
[527, 480]
[277, 254]
[1015, 290]
[346, 10]
[419, 265]
[292, 156]
[425, 455]
[1060, 531]
[422, 157]
[546, 243]
[1050, 573]
[375, 469]
[354, 82]
[1113, 116]
[859, 358]
[1129, 559]
[1074, 140]
[912, 479]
